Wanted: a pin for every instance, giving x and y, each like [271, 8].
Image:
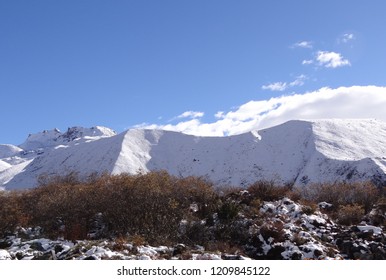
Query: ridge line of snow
[299, 151]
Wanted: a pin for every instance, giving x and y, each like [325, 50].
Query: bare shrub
[254, 206]
[268, 191]
[120, 243]
[342, 193]
[11, 215]
[143, 206]
[274, 230]
[350, 214]
[299, 240]
[152, 205]
[72, 178]
[308, 207]
[62, 210]
[224, 247]
[199, 191]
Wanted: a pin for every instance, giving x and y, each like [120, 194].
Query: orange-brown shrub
[268, 190]
[150, 205]
[11, 215]
[153, 205]
[350, 214]
[273, 230]
[342, 193]
[308, 207]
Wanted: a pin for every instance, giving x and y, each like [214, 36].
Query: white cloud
[299, 81]
[219, 115]
[281, 86]
[303, 44]
[347, 37]
[190, 114]
[278, 86]
[331, 59]
[307, 62]
[345, 102]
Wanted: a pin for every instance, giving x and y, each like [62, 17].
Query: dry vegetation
[162, 209]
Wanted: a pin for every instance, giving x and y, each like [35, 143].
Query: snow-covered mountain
[299, 152]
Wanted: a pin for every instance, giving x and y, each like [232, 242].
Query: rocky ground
[283, 230]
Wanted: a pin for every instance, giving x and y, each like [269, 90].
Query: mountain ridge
[297, 152]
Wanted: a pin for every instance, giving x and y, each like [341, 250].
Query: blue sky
[180, 64]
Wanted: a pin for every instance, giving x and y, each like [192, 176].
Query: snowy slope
[4, 165]
[348, 150]
[52, 138]
[9, 150]
[299, 152]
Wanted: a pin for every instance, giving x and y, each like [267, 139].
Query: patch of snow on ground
[366, 228]
[4, 255]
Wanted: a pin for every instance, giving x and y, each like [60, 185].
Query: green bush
[228, 211]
